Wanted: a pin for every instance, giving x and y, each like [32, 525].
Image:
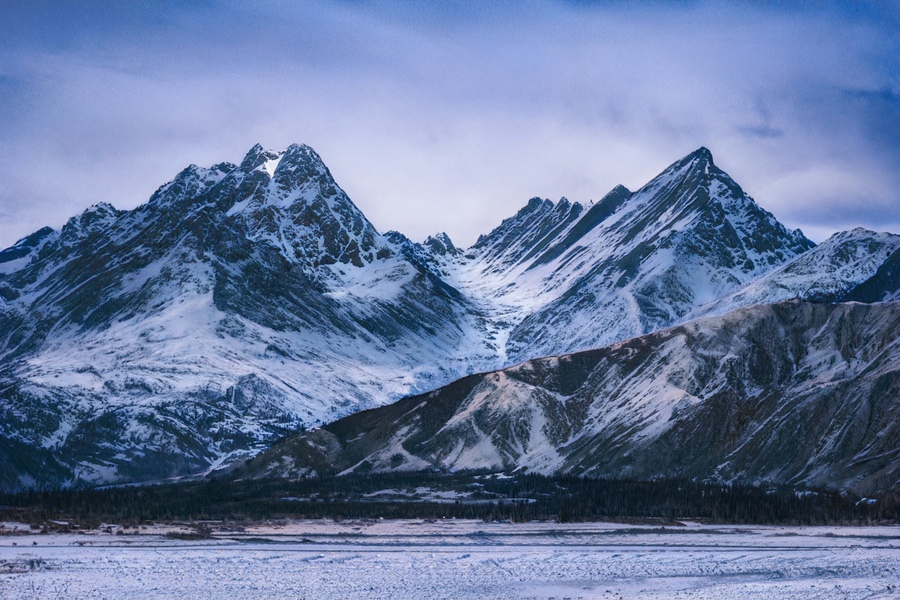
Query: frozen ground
[454, 559]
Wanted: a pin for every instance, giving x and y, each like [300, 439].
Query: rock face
[796, 393]
[243, 302]
[882, 286]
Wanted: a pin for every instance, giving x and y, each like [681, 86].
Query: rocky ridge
[793, 393]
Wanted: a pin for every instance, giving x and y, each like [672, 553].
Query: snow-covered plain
[456, 559]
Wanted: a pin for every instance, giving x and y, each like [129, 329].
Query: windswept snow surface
[459, 559]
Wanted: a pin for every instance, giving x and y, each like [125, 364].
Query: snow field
[460, 559]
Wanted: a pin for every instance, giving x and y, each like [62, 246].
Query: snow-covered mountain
[239, 303]
[244, 301]
[798, 393]
[833, 270]
[564, 277]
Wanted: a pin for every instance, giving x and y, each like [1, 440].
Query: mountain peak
[102, 211]
[295, 156]
[26, 245]
[300, 157]
[701, 153]
[529, 231]
[533, 204]
[700, 160]
[93, 218]
[256, 156]
[441, 244]
[692, 171]
[857, 233]
[290, 196]
[302, 149]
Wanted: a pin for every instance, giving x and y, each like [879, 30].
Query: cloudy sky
[451, 115]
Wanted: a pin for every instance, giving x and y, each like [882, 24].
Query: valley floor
[451, 559]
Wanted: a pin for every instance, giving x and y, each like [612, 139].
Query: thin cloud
[450, 116]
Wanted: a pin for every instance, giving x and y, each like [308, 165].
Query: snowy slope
[830, 271]
[797, 392]
[882, 286]
[25, 250]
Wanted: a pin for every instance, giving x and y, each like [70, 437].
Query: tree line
[491, 497]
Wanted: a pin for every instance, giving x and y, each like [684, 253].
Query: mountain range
[243, 303]
[794, 393]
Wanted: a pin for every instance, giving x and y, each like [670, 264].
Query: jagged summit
[256, 156]
[441, 244]
[19, 253]
[700, 159]
[27, 242]
[685, 178]
[683, 185]
[291, 199]
[294, 158]
[691, 171]
[287, 197]
[289, 168]
[300, 164]
[93, 219]
[701, 153]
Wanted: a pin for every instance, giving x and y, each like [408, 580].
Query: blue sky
[450, 116]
